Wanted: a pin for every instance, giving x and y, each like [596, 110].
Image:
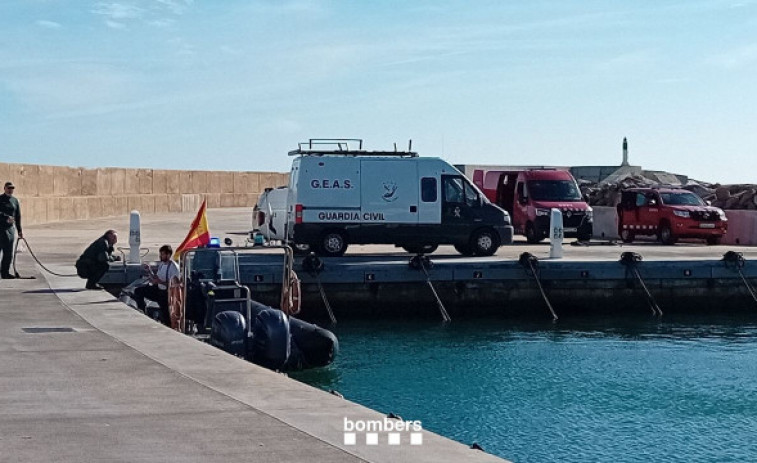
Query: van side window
[471, 196]
[428, 190]
[453, 190]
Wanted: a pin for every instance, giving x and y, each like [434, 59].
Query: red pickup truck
[669, 214]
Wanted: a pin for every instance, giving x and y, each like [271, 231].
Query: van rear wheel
[484, 242]
[333, 244]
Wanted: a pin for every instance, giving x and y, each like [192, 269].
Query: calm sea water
[641, 390]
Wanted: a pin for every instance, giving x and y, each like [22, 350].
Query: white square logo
[371, 438]
[394, 438]
[350, 438]
[416, 438]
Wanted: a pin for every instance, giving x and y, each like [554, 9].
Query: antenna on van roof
[343, 147]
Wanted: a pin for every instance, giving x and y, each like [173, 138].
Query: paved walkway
[85, 378]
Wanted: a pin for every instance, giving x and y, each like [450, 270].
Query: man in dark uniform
[10, 221]
[94, 262]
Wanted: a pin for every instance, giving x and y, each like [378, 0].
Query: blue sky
[234, 85]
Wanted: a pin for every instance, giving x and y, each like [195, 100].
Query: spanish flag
[199, 233]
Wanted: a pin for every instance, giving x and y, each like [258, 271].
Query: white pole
[135, 238]
[555, 234]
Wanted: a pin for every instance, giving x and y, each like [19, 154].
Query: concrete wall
[54, 193]
[742, 226]
[605, 223]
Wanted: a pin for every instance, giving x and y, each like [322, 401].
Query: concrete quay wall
[55, 193]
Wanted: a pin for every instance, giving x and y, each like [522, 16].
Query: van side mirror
[652, 202]
[522, 199]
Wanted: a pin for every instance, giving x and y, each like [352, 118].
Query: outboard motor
[269, 345]
[229, 332]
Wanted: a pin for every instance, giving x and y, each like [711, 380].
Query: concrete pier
[86, 378]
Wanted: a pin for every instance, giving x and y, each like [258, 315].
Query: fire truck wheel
[627, 236]
[666, 234]
[531, 236]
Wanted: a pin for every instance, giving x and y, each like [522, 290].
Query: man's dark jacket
[9, 207]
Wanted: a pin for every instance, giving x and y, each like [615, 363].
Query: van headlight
[543, 212]
[589, 214]
[721, 213]
[684, 214]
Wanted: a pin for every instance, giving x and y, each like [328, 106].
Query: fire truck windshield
[554, 190]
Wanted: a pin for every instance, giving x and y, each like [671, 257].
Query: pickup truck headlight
[589, 214]
[721, 213]
[684, 214]
[542, 212]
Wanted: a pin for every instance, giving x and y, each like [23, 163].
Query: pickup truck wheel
[464, 250]
[333, 244]
[484, 242]
[531, 234]
[425, 249]
[713, 240]
[666, 234]
[627, 235]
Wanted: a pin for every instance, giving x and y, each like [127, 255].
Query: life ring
[291, 300]
[175, 303]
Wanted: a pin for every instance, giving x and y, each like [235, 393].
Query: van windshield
[681, 199]
[554, 190]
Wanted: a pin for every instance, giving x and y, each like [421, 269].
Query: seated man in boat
[157, 290]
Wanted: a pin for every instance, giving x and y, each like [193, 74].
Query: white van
[343, 195]
[269, 214]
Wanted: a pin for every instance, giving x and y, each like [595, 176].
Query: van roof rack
[345, 147]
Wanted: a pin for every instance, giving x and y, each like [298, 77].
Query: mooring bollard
[135, 237]
[737, 260]
[555, 234]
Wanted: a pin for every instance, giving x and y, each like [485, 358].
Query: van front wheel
[484, 242]
[333, 244]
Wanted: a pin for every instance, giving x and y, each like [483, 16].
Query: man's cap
[9, 185]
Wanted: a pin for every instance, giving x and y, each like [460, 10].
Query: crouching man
[157, 290]
[95, 260]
